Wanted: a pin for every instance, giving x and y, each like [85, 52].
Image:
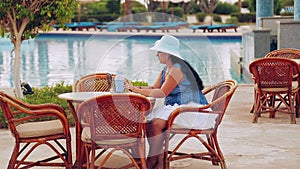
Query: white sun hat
[168, 44]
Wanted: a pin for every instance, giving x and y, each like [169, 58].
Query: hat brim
[159, 49]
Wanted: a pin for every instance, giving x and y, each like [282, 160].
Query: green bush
[287, 14]
[47, 94]
[103, 17]
[138, 10]
[245, 17]
[232, 20]
[226, 8]
[217, 18]
[96, 9]
[177, 12]
[200, 16]
[103, 7]
[139, 83]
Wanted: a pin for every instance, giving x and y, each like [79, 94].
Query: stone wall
[288, 35]
[272, 23]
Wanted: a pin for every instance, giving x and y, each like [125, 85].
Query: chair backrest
[97, 82]
[289, 53]
[220, 93]
[114, 116]
[15, 111]
[6, 110]
[274, 72]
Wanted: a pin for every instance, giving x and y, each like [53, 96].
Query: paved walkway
[269, 144]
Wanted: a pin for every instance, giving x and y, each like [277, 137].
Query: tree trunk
[240, 5]
[128, 10]
[17, 68]
[207, 5]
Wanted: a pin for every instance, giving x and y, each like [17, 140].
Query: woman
[179, 84]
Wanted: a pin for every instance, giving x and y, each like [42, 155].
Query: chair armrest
[47, 106]
[185, 109]
[37, 111]
[295, 76]
[37, 106]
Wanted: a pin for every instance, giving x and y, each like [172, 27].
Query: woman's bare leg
[156, 137]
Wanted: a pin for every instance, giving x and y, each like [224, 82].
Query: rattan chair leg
[218, 150]
[293, 118]
[292, 101]
[223, 165]
[297, 106]
[257, 108]
[272, 100]
[14, 156]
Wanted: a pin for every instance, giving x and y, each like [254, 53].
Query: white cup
[119, 85]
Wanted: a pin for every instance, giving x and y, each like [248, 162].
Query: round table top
[82, 96]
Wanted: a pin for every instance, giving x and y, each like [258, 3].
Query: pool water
[52, 57]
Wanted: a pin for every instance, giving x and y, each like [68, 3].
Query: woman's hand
[128, 85]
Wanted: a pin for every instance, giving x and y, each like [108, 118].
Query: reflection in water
[52, 58]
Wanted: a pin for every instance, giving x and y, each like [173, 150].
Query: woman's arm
[145, 89]
[173, 78]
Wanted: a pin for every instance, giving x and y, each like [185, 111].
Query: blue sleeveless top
[183, 92]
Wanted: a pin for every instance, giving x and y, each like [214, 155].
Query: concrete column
[288, 35]
[264, 8]
[261, 42]
[297, 10]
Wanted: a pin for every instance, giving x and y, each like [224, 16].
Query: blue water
[52, 58]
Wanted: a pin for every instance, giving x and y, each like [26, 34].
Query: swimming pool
[53, 57]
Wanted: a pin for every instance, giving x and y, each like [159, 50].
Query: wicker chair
[274, 80]
[114, 122]
[289, 53]
[30, 136]
[220, 95]
[97, 82]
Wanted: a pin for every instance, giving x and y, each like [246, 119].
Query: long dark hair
[190, 72]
